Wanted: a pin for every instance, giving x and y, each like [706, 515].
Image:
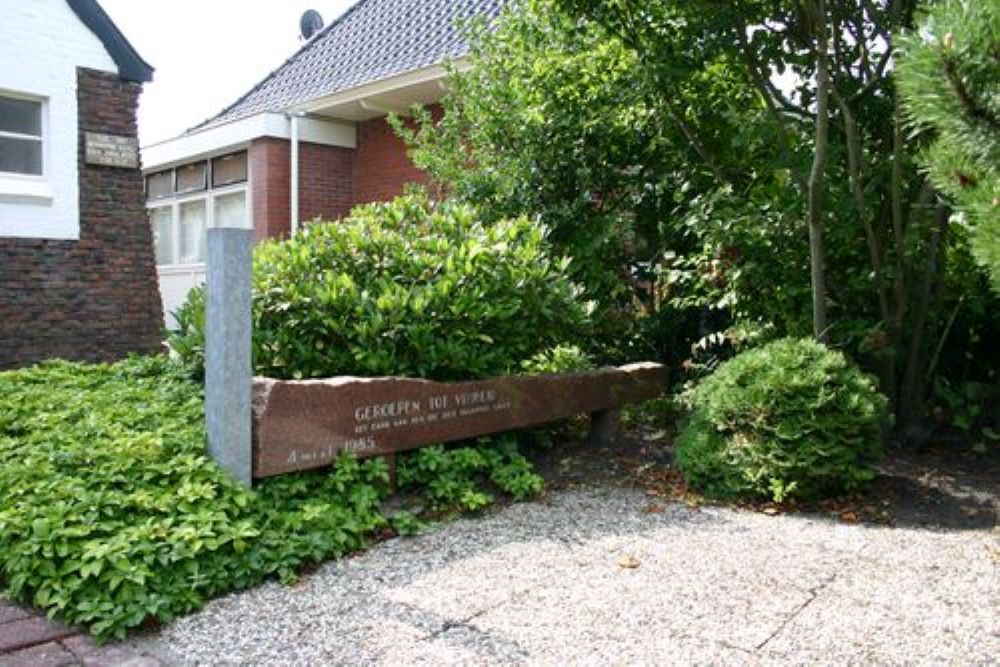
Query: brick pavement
[29, 639]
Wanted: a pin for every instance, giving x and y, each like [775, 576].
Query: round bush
[411, 288]
[789, 419]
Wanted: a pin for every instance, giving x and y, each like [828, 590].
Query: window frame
[175, 199]
[174, 204]
[43, 138]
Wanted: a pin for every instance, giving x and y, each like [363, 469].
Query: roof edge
[298, 52]
[241, 133]
[131, 65]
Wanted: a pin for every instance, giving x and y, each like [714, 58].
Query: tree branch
[816, 250]
[780, 122]
[854, 167]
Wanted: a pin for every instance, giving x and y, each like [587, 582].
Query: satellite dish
[310, 23]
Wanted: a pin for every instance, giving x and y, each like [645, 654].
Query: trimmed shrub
[411, 288]
[791, 419]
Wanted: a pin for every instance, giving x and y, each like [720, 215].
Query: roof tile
[373, 40]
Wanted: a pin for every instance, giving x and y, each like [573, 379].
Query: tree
[949, 79]
[689, 141]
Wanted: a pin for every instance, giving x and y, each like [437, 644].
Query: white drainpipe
[294, 132]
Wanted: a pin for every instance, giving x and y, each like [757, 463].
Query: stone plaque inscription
[305, 424]
[109, 150]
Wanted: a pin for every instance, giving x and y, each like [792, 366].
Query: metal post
[228, 371]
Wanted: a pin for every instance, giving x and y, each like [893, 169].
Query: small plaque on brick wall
[109, 150]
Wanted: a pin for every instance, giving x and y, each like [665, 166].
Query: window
[231, 210]
[192, 178]
[160, 185]
[162, 219]
[229, 169]
[192, 217]
[182, 206]
[21, 139]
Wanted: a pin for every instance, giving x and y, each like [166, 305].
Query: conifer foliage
[949, 79]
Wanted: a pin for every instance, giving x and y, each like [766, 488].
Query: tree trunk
[816, 251]
[911, 395]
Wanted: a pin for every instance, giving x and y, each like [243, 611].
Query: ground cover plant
[111, 513]
[790, 419]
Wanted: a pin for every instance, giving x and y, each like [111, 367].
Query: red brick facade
[325, 184]
[331, 179]
[381, 166]
[269, 187]
[95, 298]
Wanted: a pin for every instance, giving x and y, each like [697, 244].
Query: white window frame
[209, 197]
[29, 186]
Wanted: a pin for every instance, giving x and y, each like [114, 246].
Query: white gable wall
[42, 42]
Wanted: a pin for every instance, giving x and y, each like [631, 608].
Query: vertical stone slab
[228, 372]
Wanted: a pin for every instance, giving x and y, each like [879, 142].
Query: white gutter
[294, 140]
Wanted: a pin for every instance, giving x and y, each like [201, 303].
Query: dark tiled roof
[373, 40]
[131, 66]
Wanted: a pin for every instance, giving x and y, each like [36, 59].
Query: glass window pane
[192, 177]
[20, 116]
[193, 232]
[21, 156]
[163, 234]
[159, 185]
[229, 169]
[231, 211]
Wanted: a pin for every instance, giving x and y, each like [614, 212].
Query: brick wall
[269, 188]
[325, 184]
[325, 181]
[96, 298]
[381, 166]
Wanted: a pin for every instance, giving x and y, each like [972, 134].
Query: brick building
[310, 140]
[77, 270]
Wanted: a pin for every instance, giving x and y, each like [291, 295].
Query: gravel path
[549, 583]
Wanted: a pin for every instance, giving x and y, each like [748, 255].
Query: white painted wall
[42, 42]
[175, 283]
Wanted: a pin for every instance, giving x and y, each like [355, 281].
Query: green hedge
[411, 288]
[789, 419]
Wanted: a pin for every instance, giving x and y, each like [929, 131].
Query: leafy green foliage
[454, 478]
[188, 339]
[409, 288]
[559, 359]
[949, 80]
[540, 83]
[680, 181]
[406, 523]
[789, 419]
[112, 514]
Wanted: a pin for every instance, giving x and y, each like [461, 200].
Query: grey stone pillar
[228, 371]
